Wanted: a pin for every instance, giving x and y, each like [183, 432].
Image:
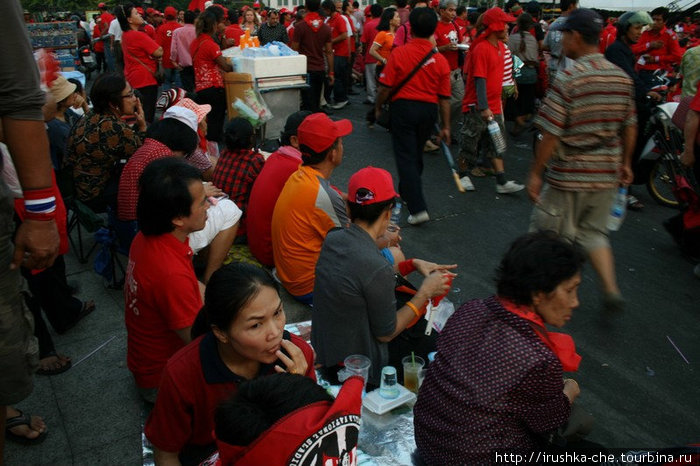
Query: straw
[413, 358]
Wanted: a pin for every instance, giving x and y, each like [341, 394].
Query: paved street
[638, 386]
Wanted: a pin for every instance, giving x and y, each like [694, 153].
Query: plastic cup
[389, 388]
[357, 364]
[412, 367]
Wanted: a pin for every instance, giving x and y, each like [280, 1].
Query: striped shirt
[508, 68]
[587, 108]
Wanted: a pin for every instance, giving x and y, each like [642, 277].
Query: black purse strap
[420, 64]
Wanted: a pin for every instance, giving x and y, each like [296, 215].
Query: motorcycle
[86, 62]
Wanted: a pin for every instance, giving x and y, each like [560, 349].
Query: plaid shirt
[234, 174]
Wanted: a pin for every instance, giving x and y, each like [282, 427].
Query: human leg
[311, 97]
[371, 81]
[603, 263]
[457, 87]
[340, 68]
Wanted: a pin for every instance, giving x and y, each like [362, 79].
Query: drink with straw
[412, 367]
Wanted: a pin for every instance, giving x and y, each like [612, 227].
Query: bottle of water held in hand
[499, 142]
[396, 213]
[619, 209]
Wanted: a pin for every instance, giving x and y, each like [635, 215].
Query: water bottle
[396, 213]
[619, 208]
[499, 142]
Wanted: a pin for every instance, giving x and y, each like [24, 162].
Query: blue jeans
[172, 78]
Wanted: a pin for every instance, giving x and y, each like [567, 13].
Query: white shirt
[115, 30]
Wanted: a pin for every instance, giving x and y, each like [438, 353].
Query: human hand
[437, 283]
[36, 244]
[444, 136]
[656, 44]
[626, 175]
[331, 79]
[486, 114]
[571, 390]
[534, 187]
[688, 156]
[140, 115]
[210, 190]
[425, 268]
[656, 97]
[390, 238]
[295, 362]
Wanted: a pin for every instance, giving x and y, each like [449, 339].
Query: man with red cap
[482, 100]
[358, 313]
[308, 206]
[164, 38]
[447, 36]
[106, 19]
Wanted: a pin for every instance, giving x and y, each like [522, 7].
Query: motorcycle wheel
[660, 183]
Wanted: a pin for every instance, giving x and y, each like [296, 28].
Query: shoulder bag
[158, 75]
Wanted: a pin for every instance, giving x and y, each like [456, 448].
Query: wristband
[40, 204]
[413, 308]
[419, 313]
[406, 267]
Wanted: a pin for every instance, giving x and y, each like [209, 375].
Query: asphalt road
[642, 390]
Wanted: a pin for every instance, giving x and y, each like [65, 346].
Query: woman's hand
[140, 115]
[571, 390]
[210, 190]
[295, 362]
[426, 268]
[436, 284]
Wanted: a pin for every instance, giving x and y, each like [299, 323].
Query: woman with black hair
[524, 45]
[100, 143]
[208, 65]
[141, 57]
[238, 166]
[384, 40]
[238, 335]
[497, 380]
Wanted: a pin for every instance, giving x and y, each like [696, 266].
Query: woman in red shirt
[98, 46]
[208, 64]
[238, 335]
[141, 56]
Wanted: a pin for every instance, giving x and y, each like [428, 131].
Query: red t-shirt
[204, 53]
[234, 32]
[339, 26]
[99, 46]
[150, 30]
[430, 83]
[448, 33]
[138, 44]
[128, 195]
[164, 37]
[485, 61]
[312, 44]
[367, 39]
[670, 53]
[263, 197]
[106, 19]
[161, 295]
[194, 382]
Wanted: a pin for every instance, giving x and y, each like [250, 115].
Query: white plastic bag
[437, 316]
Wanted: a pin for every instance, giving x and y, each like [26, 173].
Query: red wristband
[406, 267]
[40, 204]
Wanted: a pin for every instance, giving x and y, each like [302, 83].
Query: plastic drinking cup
[357, 364]
[412, 366]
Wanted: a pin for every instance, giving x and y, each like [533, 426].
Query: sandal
[88, 307]
[59, 370]
[633, 203]
[23, 419]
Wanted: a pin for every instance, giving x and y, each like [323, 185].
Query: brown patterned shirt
[98, 147]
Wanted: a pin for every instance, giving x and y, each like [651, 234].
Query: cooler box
[236, 84]
[267, 67]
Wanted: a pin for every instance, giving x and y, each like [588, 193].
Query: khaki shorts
[579, 217]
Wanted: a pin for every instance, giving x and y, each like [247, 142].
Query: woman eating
[141, 57]
[497, 380]
[238, 335]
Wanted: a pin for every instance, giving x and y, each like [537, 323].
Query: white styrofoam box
[266, 67]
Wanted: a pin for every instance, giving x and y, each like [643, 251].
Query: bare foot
[36, 427]
[53, 362]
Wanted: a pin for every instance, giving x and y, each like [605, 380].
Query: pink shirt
[180, 46]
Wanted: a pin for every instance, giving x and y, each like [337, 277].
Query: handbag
[158, 75]
[384, 118]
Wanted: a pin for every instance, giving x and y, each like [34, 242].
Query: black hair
[238, 134]
[218, 12]
[387, 16]
[660, 11]
[261, 402]
[371, 212]
[123, 13]
[412, 4]
[524, 22]
[164, 194]
[533, 7]
[174, 134]
[228, 291]
[536, 262]
[423, 22]
[510, 4]
[346, 4]
[311, 157]
[356, 4]
[401, 3]
[590, 37]
[312, 5]
[328, 5]
[566, 4]
[376, 10]
[106, 91]
[233, 16]
[78, 85]
[206, 22]
[291, 126]
[472, 17]
[461, 9]
[190, 16]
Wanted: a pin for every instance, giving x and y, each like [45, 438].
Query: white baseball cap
[182, 114]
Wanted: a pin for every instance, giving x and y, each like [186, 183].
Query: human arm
[543, 152]
[165, 458]
[425, 268]
[374, 52]
[482, 103]
[224, 63]
[444, 104]
[541, 397]
[157, 53]
[690, 132]
[184, 334]
[328, 50]
[382, 96]
[629, 139]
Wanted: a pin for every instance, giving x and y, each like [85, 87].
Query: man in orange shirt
[308, 206]
[657, 48]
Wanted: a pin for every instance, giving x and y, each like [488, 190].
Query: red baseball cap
[319, 132]
[376, 183]
[140, 10]
[256, 5]
[434, 3]
[150, 11]
[367, 10]
[496, 19]
[99, 5]
[170, 11]
[283, 11]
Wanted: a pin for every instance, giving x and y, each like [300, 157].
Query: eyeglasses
[130, 95]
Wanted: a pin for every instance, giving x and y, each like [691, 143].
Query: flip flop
[24, 419]
[56, 371]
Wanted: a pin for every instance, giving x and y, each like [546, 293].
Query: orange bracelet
[413, 308]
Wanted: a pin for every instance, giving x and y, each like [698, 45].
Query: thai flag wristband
[40, 204]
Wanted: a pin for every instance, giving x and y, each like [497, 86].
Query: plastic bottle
[499, 142]
[618, 210]
[396, 213]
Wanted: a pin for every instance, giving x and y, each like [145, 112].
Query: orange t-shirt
[385, 40]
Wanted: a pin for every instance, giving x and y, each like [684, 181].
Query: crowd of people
[182, 186]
